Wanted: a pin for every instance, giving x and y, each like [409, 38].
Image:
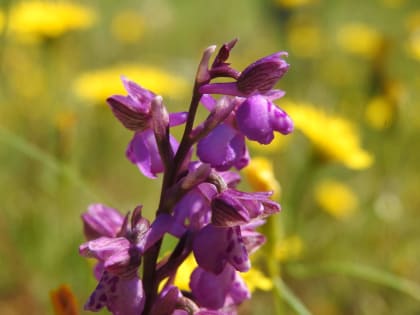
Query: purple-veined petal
[104, 247]
[120, 296]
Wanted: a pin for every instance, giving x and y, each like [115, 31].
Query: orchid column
[199, 202]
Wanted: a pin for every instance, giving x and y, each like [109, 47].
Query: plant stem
[150, 280]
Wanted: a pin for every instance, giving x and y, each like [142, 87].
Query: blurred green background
[349, 241]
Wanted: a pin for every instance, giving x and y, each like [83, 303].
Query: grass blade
[360, 271]
[285, 293]
[20, 144]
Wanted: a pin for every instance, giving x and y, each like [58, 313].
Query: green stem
[285, 293]
[150, 279]
[300, 187]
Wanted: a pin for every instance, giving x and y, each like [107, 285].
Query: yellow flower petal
[182, 280]
[97, 86]
[260, 175]
[359, 39]
[255, 279]
[48, 19]
[336, 198]
[334, 138]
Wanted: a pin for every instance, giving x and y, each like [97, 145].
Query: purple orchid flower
[257, 118]
[143, 152]
[101, 220]
[119, 256]
[199, 204]
[215, 291]
[258, 78]
[120, 296]
[223, 148]
[134, 111]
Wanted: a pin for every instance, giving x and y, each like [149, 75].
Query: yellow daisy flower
[380, 112]
[413, 45]
[290, 4]
[360, 39]
[182, 280]
[48, 19]
[335, 198]
[260, 175]
[255, 279]
[334, 138]
[97, 86]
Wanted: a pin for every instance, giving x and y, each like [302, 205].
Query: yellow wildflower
[255, 279]
[182, 280]
[336, 198]
[127, 26]
[289, 248]
[260, 175]
[334, 138]
[413, 45]
[97, 85]
[293, 3]
[360, 39]
[48, 19]
[380, 112]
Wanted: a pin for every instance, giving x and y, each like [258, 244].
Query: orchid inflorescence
[199, 202]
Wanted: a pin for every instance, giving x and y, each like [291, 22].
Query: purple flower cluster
[200, 204]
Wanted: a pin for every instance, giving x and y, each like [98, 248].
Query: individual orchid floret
[213, 291]
[261, 76]
[232, 207]
[143, 151]
[101, 220]
[223, 148]
[133, 110]
[258, 78]
[119, 256]
[257, 118]
[214, 247]
[120, 296]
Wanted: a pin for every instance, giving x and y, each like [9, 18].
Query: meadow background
[348, 238]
